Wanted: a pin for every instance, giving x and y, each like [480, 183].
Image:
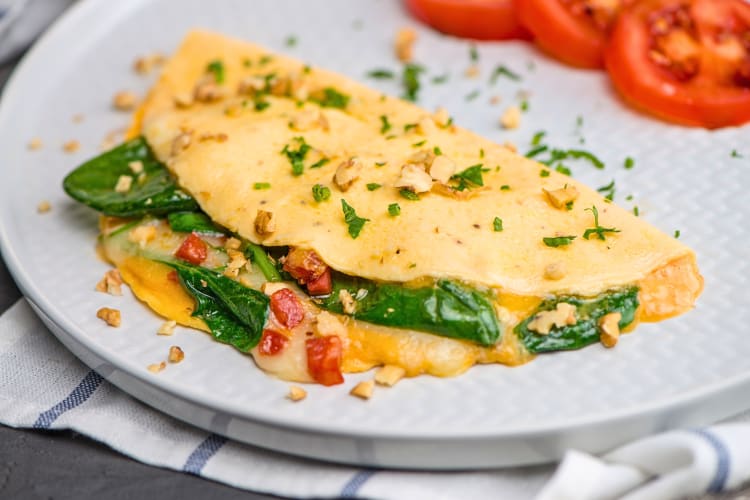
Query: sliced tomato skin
[272, 343]
[287, 308]
[654, 90]
[193, 249]
[324, 360]
[477, 19]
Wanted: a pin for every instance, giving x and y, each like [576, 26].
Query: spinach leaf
[234, 313]
[586, 330]
[447, 309]
[93, 183]
[192, 222]
[258, 256]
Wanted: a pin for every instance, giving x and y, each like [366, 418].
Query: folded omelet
[417, 244]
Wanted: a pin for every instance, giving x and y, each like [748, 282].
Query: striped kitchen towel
[42, 385]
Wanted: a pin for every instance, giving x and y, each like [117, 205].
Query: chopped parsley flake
[332, 98]
[558, 241]
[524, 105]
[291, 41]
[247, 63]
[437, 151]
[409, 194]
[537, 151]
[736, 154]
[265, 60]
[419, 144]
[597, 229]
[410, 81]
[563, 170]
[260, 104]
[394, 209]
[409, 126]
[473, 53]
[497, 224]
[544, 173]
[608, 191]
[216, 68]
[537, 139]
[469, 176]
[629, 163]
[676, 233]
[505, 187]
[352, 220]
[262, 185]
[472, 95]
[437, 80]
[320, 163]
[380, 163]
[297, 156]
[503, 71]
[386, 125]
[321, 192]
[481, 152]
[373, 186]
[381, 74]
[636, 212]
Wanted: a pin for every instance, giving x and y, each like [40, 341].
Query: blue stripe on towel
[203, 453]
[77, 397]
[351, 488]
[722, 457]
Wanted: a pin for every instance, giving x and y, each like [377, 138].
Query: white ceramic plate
[685, 371]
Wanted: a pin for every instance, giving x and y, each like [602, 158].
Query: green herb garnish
[497, 224]
[676, 233]
[381, 74]
[558, 241]
[471, 175]
[321, 192]
[419, 144]
[597, 229]
[332, 98]
[608, 191]
[354, 222]
[262, 185]
[629, 163]
[216, 68]
[291, 41]
[394, 209]
[409, 194]
[505, 187]
[437, 80]
[472, 95]
[373, 186]
[386, 125]
[437, 151]
[410, 81]
[503, 71]
[544, 173]
[297, 156]
[473, 53]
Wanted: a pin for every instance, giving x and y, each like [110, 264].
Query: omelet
[399, 238]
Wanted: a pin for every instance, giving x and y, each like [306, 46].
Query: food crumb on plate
[167, 328]
[111, 283]
[124, 100]
[110, 316]
[404, 44]
[35, 144]
[364, 389]
[71, 146]
[389, 375]
[43, 207]
[296, 393]
[176, 354]
[157, 367]
[511, 118]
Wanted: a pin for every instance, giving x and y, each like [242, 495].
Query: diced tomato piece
[287, 308]
[324, 360]
[322, 285]
[304, 265]
[272, 343]
[193, 250]
[172, 276]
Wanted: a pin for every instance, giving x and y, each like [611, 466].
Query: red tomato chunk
[272, 343]
[322, 285]
[324, 360]
[287, 308]
[193, 250]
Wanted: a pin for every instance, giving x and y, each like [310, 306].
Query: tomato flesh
[304, 265]
[477, 19]
[687, 61]
[287, 308]
[572, 31]
[324, 360]
[193, 250]
[322, 285]
[272, 343]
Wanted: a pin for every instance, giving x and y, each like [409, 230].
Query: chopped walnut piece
[555, 271]
[111, 283]
[43, 207]
[71, 146]
[422, 158]
[264, 223]
[110, 316]
[207, 90]
[472, 71]
[563, 315]
[441, 117]
[364, 389]
[346, 173]
[144, 65]
[136, 167]
[347, 302]
[559, 198]
[157, 367]
[308, 119]
[183, 100]
[271, 287]
[232, 244]
[167, 328]
[389, 375]
[609, 329]
[296, 393]
[442, 169]
[182, 142]
[511, 118]
[124, 101]
[236, 262]
[142, 235]
[414, 179]
[426, 126]
[495, 100]
[124, 183]
[250, 85]
[404, 44]
[176, 354]
[78, 118]
[35, 144]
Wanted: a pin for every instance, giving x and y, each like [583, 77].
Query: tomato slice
[478, 19]
[287, 308]
[572, 31]
[272, 343]
[324, 359]
[686, 61]
[193, 250]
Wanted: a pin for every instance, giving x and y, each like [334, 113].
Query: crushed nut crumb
[510, 146]
[389, 375]
[327, 324]
[124, 101]
[167, 328]
[142, 235]
[426, 126]
[559, 198]
[176, 354]
[347, 302]
[124, 183]
[511, 119]
[157, 367]
[609, 329]
[183, 100]
[472, 71]
[207, 90]
[110, 316]
[441, 117]
[563, 315]
[404, 44]
[264, 223]
[414, 178]
[182, 142]
[71, 146]
[136, 167]
[495, 100]
[143, 65]
[35, 144]
[43, 207]
[346, 173]
[555, 271]
[442, 169]
[364, 389]
[296, 393]
[111, 283]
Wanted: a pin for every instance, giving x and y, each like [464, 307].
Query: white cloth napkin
[21, 21]
[42, 385]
